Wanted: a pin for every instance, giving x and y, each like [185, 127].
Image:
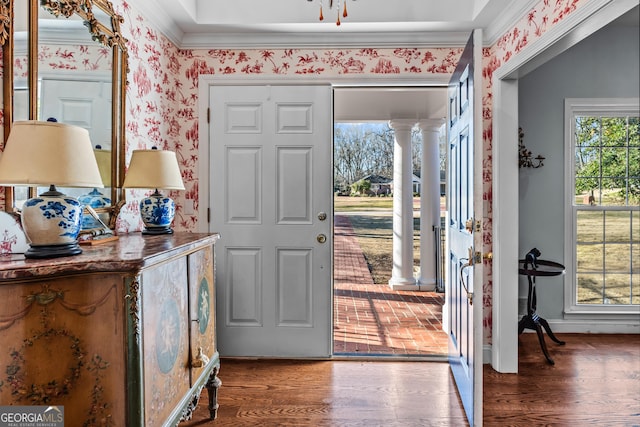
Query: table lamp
[41, 153]
[157, 169]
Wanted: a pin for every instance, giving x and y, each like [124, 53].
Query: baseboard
[589, 327]
[486, 354]
[578, 327]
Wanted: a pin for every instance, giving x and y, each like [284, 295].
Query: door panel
[270, 177]
[243, 176]
[294, 188]
[294, 293]
[243, 296]
[464, 287]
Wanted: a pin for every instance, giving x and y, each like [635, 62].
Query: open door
[464, 276]
[271, 201]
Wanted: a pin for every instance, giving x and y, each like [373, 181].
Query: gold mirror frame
[100, 32]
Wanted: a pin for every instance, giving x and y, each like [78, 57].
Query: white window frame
[588, 107]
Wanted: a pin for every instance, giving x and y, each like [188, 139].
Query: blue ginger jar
[157, 212]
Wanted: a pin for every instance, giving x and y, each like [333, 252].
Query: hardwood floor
[595, 382]
[333, 393]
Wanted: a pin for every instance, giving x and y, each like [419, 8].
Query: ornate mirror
[69, 65]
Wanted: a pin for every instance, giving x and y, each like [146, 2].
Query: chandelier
[331, 2]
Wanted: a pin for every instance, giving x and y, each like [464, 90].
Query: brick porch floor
[372, 319]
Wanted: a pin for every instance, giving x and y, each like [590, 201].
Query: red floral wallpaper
[162, 94]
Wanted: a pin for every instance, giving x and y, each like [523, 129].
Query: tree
[350, 154]
[362, 149]
[361, 187]
[607, 155]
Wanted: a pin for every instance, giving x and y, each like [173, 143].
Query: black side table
[532, 269]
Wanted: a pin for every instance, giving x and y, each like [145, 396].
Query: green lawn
[375, 233]
[604, 244]
[375, 236]
[349, 203]
[597, 249]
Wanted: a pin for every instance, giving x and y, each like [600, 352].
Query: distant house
[379, 185]
[383, 186]
[416, 182]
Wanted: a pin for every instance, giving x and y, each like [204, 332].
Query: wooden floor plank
[333, 393]
[594, 382]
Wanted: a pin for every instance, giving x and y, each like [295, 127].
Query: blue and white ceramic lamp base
[52, 223]
[96, 200]
[157, 212]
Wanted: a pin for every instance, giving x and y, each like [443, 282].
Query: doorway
[371, 319]
[435, 109]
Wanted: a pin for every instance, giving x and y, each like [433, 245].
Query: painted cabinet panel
[62, 344]
[114, 334]
[202, 308]
[165, 339]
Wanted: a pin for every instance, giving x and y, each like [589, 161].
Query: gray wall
[605, 65]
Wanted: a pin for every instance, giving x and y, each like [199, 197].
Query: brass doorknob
[321, 238]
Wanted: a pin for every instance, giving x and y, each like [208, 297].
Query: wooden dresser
[121, 335]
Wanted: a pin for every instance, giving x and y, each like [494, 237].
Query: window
[603, 215]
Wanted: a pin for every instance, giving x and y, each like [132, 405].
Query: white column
[429, 201]
[402, 271]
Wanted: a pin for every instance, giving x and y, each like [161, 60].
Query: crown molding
[265, 40]
[170, 28]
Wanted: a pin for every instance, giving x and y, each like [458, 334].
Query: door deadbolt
[321, 238]
[322, 216]
[468, 225]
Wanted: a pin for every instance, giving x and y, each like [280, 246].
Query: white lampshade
[43, 153]
[153, 169]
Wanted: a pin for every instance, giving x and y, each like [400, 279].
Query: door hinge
[208, 115]
[473, 226]
[208, 214]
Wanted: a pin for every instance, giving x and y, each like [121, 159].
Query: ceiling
[293, 23]
[362, 104]
[376, 23]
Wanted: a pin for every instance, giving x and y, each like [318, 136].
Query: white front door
[464, 278]
[271, 201]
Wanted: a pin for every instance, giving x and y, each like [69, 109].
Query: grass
[350, 203]
[375, 233]
[375, 236]
[604, 243]
[596, 249]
